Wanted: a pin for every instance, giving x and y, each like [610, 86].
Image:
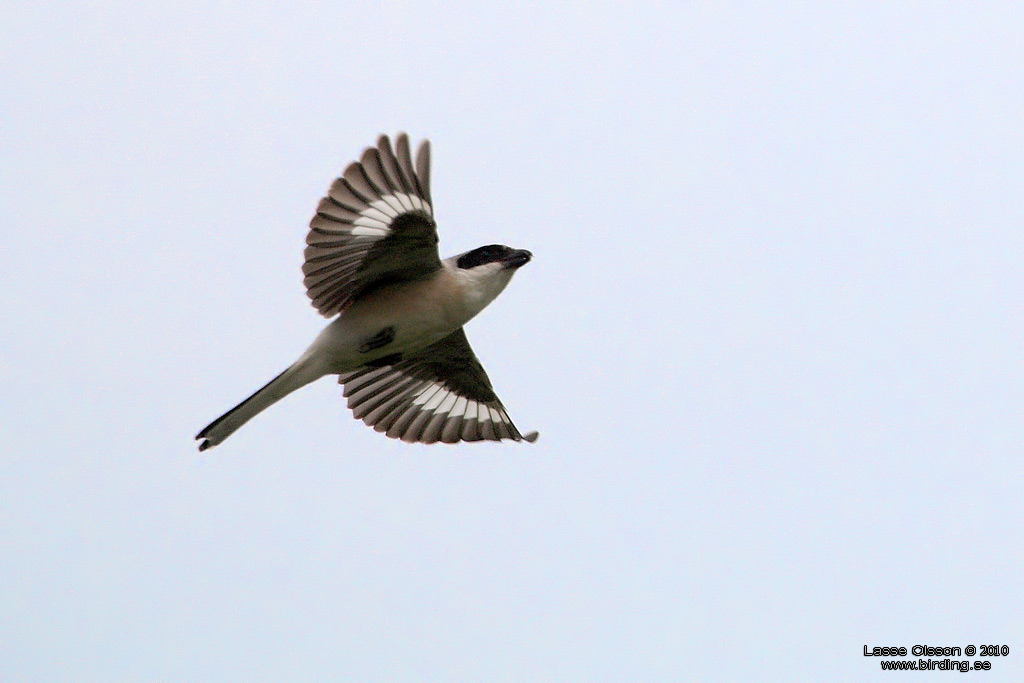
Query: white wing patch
[423, 410]
[375, 220]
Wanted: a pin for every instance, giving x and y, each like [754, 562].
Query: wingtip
[531, 437]
[204, 445]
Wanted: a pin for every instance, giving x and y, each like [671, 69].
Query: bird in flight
[397, 343]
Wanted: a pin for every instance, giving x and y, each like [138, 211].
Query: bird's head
[485, 271]
[506, 257]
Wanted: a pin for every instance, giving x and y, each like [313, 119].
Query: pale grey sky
[772, 339]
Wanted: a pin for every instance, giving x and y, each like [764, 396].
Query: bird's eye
[481, 255]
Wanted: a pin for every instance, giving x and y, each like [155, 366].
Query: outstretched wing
[440, 394]
[374, 227]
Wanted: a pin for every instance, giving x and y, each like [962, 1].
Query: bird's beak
[517, 259]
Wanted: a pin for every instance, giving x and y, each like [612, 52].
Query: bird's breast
[414, 314]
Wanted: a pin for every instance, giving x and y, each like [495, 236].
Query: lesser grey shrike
[397, 343]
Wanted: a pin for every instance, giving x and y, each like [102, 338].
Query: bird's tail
[298, 375]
